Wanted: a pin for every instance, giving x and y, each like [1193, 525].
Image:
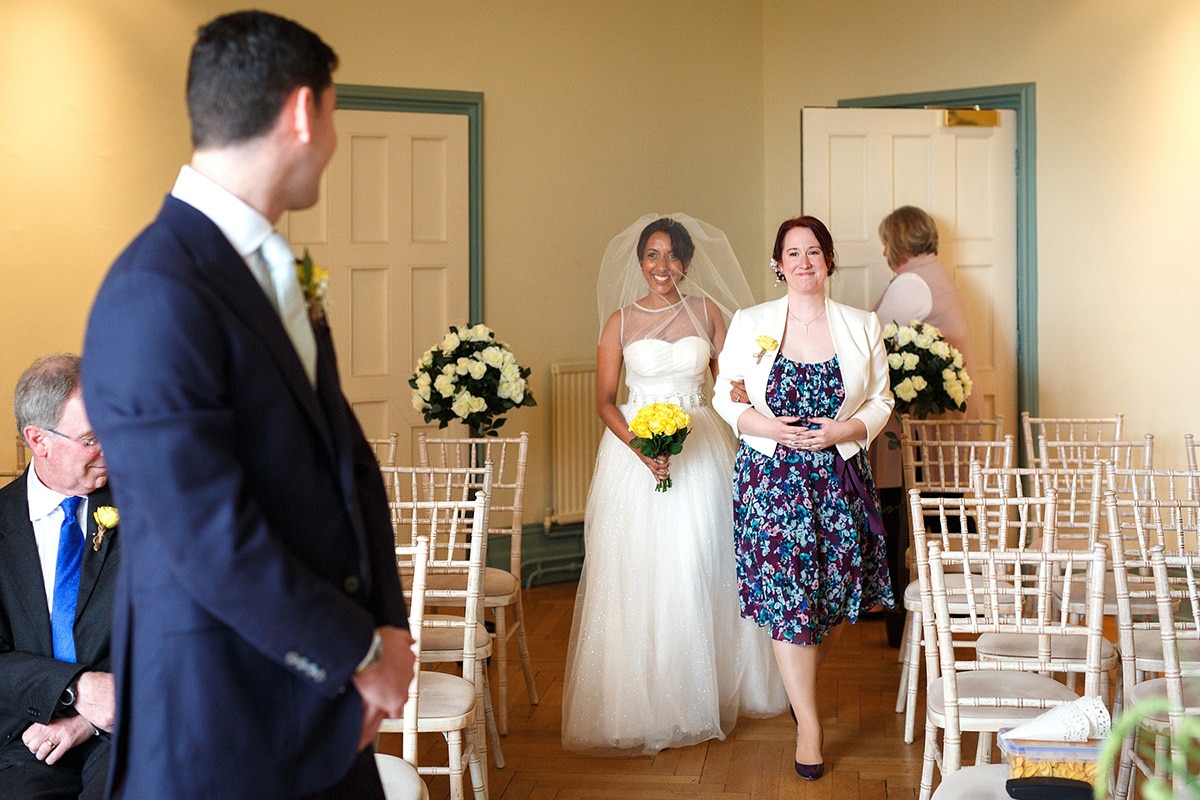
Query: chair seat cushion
[998, 646]
[1156, 690]
[954, 594]
[1004, 685]
[447, 702]
[399, 778]
[985, 782]
[500, 587]
[446, 644]
[1147, 646]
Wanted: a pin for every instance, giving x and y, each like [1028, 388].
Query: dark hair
[242, 69]
[824, 239]
[44, 389]
[681, 240]
[906, 232]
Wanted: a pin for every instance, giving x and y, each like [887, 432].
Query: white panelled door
[393, 228]
[861, 163]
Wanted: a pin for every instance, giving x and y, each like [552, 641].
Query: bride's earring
[778, 272]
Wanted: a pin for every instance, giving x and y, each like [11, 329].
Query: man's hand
[384, 687]
[96, 699]
[51, 742]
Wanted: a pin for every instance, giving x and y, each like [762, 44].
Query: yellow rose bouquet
[469, 377]
[660, 429]
[926, 371]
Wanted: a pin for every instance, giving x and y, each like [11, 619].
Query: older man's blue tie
[66, 580]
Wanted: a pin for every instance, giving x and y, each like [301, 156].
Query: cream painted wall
[1118, 107]
[594, 114]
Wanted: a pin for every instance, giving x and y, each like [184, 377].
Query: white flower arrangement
[469, 377]
[926, 371]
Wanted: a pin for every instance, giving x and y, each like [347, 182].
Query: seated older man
[58, 569]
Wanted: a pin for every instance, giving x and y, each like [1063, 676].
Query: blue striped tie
[66, 581]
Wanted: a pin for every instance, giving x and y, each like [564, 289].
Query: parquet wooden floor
[864, 743]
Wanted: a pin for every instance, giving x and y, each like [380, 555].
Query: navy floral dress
[806, 558]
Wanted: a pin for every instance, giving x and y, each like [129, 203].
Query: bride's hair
[681, 240]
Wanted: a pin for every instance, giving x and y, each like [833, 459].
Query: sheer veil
[713, 275]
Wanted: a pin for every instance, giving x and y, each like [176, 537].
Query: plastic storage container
[1033, 758]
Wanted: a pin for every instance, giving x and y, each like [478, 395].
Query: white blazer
[858, 343]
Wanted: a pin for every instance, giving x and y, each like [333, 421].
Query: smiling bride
[659, 655]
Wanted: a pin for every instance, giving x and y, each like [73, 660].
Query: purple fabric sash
[854, 487]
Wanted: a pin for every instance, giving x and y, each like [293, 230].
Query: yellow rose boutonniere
[314, 280]
[765, 344]
[106, 519]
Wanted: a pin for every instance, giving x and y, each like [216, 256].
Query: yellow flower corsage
[314, 280]
[766, 345]
[106, 518]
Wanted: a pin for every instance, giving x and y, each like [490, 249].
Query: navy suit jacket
[258, 551]
[31, 680]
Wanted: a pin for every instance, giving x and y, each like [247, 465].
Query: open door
[861, 163]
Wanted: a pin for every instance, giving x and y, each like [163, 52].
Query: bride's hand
[659, 467]
[737, 391]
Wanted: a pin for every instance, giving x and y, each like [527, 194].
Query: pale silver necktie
[289, 301]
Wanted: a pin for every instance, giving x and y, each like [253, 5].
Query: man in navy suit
[55, 709]
[260, 634]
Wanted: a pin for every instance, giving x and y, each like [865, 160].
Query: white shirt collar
[43, 500]
[245, 228]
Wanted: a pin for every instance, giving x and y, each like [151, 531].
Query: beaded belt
[685, 401]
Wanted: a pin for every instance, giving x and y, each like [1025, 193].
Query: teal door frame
[433, 101]
[1020, 97]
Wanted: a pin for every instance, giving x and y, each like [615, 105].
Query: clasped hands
[798, 433]
[95, 704]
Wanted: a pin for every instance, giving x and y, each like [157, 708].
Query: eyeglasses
[90, 442]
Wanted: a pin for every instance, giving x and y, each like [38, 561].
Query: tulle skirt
[659, 655]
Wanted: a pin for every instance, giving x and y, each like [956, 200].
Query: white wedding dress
[659, 655]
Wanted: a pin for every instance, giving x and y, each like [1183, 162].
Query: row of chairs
[936, 455]
[441, 518]
[993, 568]
[501, 587]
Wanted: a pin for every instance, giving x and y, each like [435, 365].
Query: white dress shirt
[47, 518]
[245, 228]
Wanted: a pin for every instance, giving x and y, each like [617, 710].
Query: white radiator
[575, 431]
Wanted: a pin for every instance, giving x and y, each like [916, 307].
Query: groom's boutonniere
[106, 519]
[766, 344]
[314, 279]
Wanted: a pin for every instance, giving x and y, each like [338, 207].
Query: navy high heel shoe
[810, 772]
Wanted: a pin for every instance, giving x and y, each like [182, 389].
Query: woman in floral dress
[811, 392]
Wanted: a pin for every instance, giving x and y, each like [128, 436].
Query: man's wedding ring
[53, 744]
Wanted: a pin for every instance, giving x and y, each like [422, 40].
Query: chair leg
[479, 777]
[1125, 769]
[914, 675]
[500, 651]
[523, 649]
[928, 761]
[983, 748]
[489, 717]
[454, 746]
[902, 657]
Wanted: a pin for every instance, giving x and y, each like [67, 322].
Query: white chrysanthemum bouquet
[926, 371]
[469, 377]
